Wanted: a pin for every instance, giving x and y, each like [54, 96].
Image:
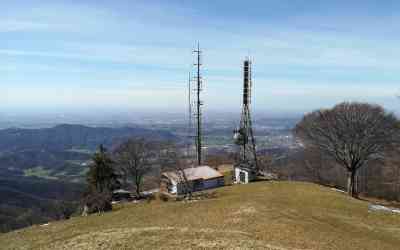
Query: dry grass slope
[265, 215]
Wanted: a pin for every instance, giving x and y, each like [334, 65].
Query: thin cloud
[147, 47]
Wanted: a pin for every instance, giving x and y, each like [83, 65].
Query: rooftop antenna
[199, 103]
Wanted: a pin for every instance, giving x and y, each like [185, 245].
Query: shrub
[96, 202]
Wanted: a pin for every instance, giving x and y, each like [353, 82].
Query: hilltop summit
[263, 215]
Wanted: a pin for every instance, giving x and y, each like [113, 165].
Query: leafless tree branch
[351, 133]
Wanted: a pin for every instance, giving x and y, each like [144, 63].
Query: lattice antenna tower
[244, 136]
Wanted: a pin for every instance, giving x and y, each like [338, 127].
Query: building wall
[213, 183]
[200, 185]
[238, 171]
[181, 188]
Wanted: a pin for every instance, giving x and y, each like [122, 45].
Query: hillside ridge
[263, 215]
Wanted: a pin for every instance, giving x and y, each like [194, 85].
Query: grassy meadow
[263, 215]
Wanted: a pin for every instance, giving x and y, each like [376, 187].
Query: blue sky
[132, 55]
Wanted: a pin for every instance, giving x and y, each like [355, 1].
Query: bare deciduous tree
[135, 158]
[351, 133]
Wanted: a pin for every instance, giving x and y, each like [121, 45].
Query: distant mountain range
[65, 136]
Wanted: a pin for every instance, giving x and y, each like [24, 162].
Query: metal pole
[199, 143]
[189, 116]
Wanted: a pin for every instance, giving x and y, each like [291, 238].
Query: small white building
[244, 174]
[198, 178]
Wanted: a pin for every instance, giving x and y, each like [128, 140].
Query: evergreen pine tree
[102, 180]
[101, 176]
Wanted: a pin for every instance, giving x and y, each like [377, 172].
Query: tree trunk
[398, 183]
[351, 184]
[138, 182]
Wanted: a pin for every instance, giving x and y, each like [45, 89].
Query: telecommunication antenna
[199, 103]
[190, 117]
[244, 136]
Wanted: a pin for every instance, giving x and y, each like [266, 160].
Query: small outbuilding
[244, 174]
[198, 179]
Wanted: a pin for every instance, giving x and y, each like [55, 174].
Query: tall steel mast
[190, 117]
[244, 136]
[199, 103]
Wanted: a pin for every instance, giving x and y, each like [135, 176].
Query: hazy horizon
[63, 57]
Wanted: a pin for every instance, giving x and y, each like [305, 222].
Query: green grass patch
[40, 172]
[80, 150]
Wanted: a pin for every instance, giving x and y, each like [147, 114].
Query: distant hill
[65, 136]
[263, 215]
[42, 167]
[62, 151]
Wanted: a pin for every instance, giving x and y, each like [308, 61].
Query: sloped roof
[196, 173]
